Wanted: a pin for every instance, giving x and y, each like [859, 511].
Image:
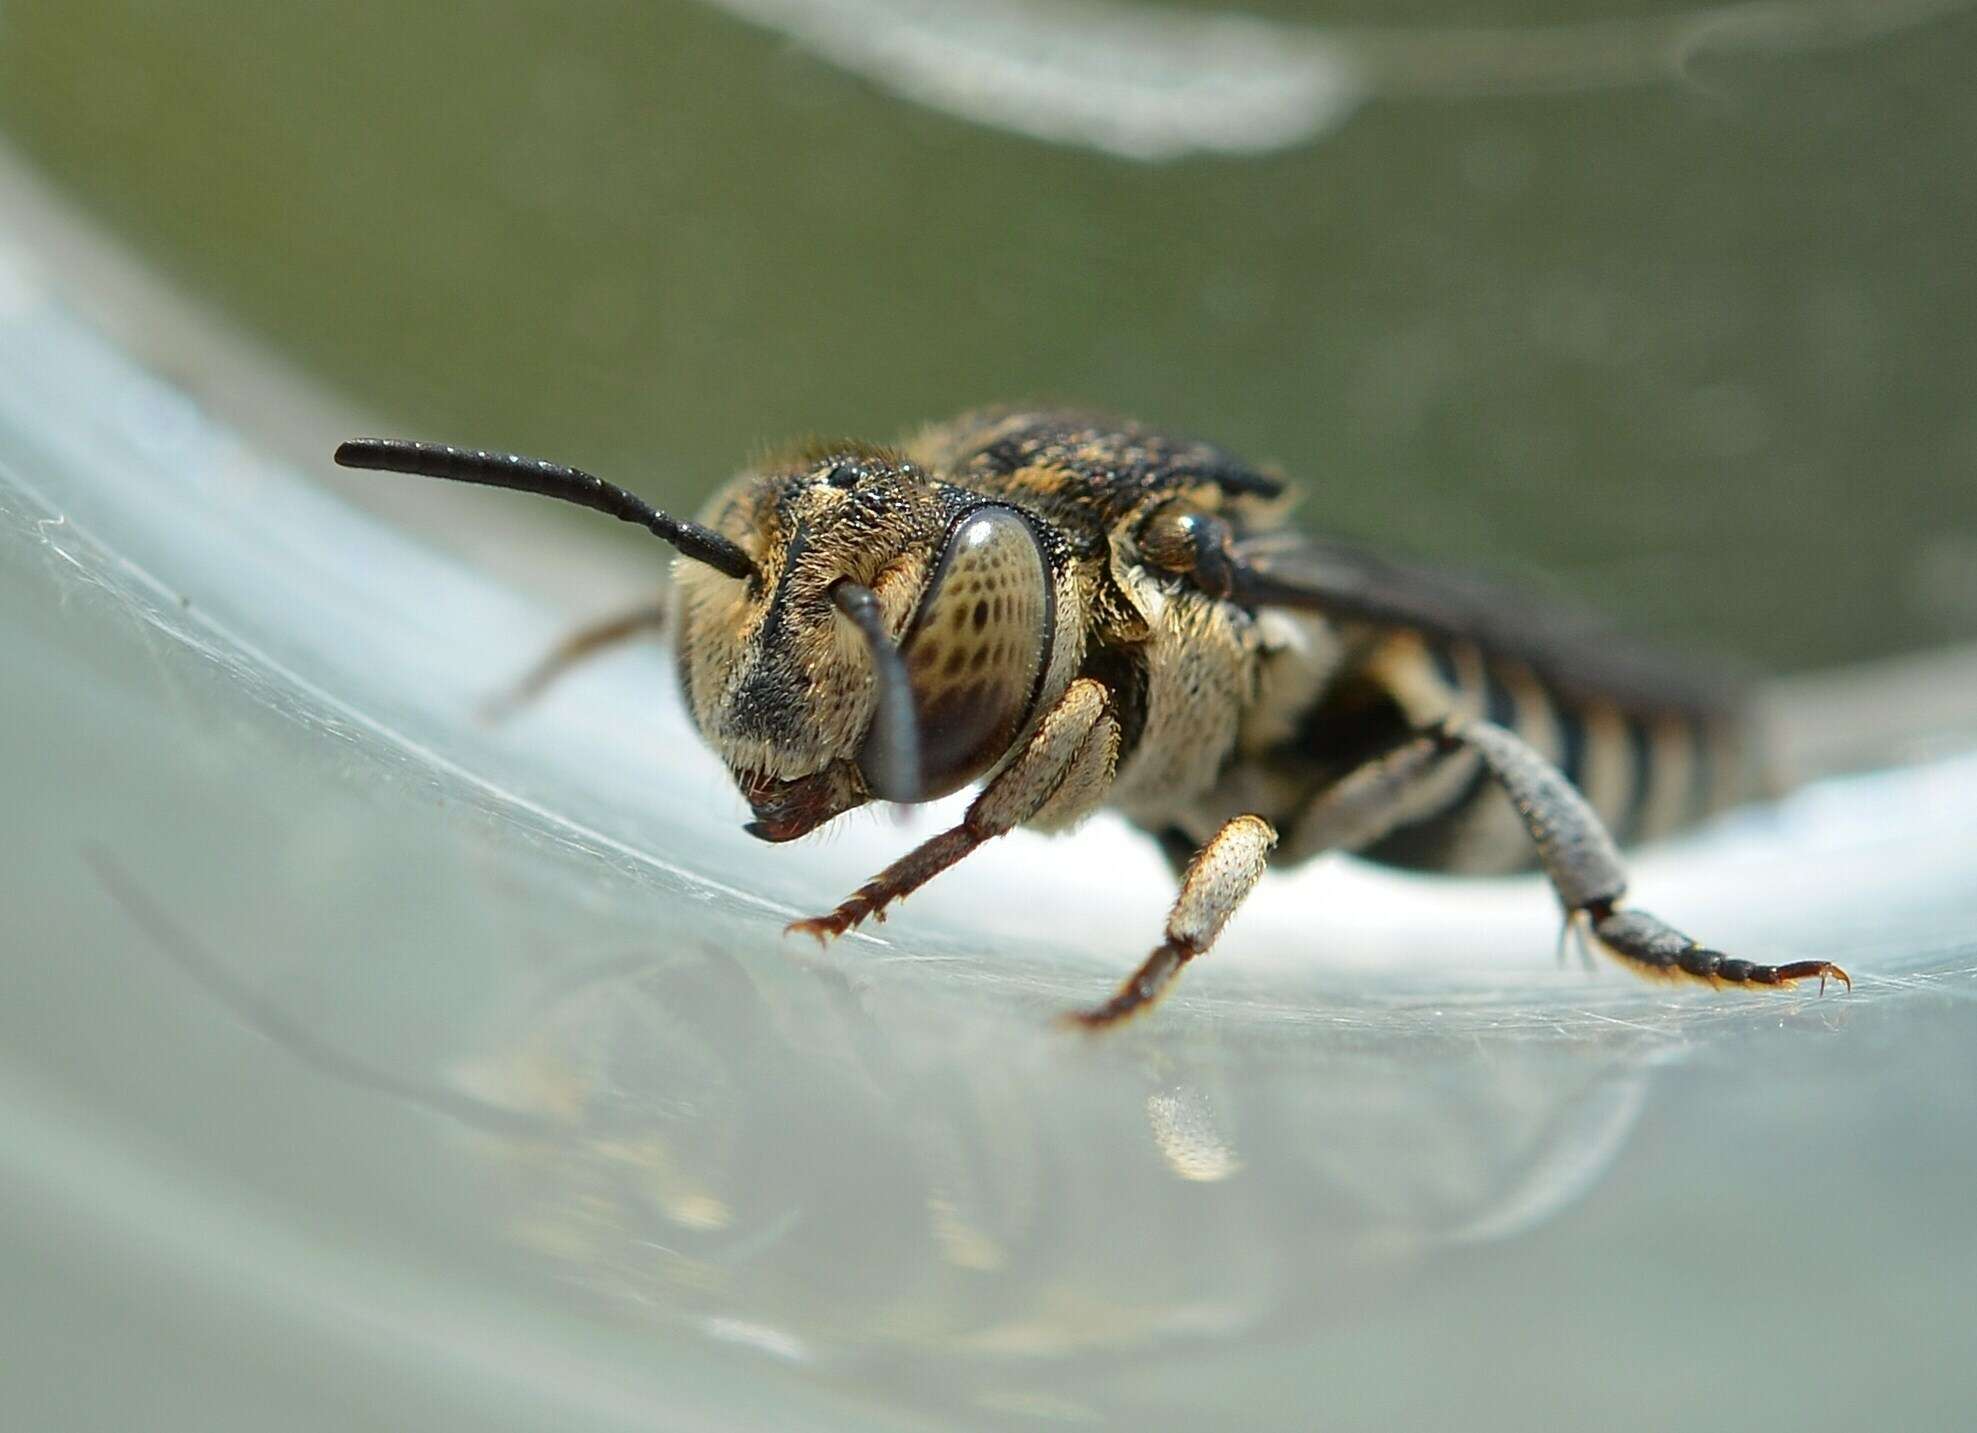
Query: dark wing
[1573, 650]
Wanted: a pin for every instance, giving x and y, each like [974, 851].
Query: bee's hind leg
[581, 645]
[1585, 870]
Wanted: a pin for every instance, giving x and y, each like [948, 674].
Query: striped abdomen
[1647, 770]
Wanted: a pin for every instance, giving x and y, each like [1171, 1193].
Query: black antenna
[549, 480]
[891, 757]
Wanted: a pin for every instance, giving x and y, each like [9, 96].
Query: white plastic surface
[1162, 81]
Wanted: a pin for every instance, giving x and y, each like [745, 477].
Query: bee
[1075, 612]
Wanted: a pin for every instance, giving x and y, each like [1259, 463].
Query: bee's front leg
[573, 650]
[1219, 877]
[1063, 773]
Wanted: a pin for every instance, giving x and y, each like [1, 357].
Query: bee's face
[781, 681]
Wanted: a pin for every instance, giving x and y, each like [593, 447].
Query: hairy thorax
[1199, 661]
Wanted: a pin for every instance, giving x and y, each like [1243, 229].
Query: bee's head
[847, 627]
[854, 666]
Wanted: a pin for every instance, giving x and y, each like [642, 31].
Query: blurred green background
[1701, 350]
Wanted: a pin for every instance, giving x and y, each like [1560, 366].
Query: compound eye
[978, 646]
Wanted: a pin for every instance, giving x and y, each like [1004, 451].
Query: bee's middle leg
[1062, 774]
[1217, 880]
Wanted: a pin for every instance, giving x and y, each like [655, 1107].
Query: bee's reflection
[819, 1165]
[775, 1149]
